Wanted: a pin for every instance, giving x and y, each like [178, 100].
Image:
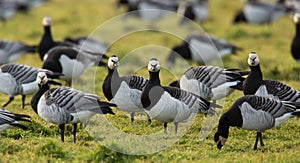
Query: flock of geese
[266, 104]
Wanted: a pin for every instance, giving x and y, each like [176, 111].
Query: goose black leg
[165, 127]
[62, 131]
[74, 128]
[10, 100]
[149, 119]
[256, 141]
[261, 139]
[23, 101]
[176, 127]
[132, 116]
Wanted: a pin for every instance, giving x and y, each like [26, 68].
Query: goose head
[253, 59]
[113, 62]
[153, 65]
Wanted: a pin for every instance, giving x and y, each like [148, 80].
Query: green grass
[75, 18]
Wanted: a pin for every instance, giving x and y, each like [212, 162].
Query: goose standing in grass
[123, 91]
[10, 120]
[19, 79]
[255, 113]
[170, 104]
[83, 43]
[257, 12]
[211, 82]
[201, 48]
[295, 47]
[64, 105]
[10, 51]
[71, 61]
[196, 10]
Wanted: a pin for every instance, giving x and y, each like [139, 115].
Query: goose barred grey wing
[280, 90]
[275, 107]
[195, 103]
[8, 118]
[135, 82]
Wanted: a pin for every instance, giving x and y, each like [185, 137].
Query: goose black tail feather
[19, 126]
[32, 49]
[296, 113]
[105, 107]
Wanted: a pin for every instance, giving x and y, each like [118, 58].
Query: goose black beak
[219, 145]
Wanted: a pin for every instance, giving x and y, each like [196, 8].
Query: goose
[255, 85]
[196, 10]
[10, 51]
[256, 113]
[7, 10]
[71, 61]
[257, 12]
[10, 120]
[123, 91]
[65, 105]
[170, 104]
[86, 43]
[295, 46]
[19, 79]
[211, 82]
[201, 48]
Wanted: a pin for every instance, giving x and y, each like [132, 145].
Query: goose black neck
[223, 127]
[253, 81]
[298, 31]
[36, 97]
[154, 78]
[111, 83]
[47, 32]
[46, 43]
[256, 72]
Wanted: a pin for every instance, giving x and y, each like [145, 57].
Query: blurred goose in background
[295, 46]
[170, 104]
[71, 61]
[7, 10]
[10, 120]
[201, 48]
[211, 82]
[255, 113]
[123, 91]
[10, 51]
[19, 79]
[258, 12]
[83, 43]
[64, 105]
[195, 10]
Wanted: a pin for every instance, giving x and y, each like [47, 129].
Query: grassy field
[75, 18]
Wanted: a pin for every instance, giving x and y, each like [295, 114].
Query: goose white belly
[71, 68]
[9, 85]
[168, 109]
[127, 99]
[82, 116]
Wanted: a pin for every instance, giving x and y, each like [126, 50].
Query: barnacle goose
[255, 85]
[64, 105]
[19, 79]
[255, 113]
[258, 12]
[123, 91]
[211, 82]
[7, 10]
[196, 10]
[71, 61]
[10, 120]
[201, 48]
[170, 104]
[83, 43]
[12, 50]
[295, 46]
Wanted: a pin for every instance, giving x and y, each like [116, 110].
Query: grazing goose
[11, 50]
[211, 82]
[7, 10]
[295, 47]
[196, 10]
[10, 120]
[66, 105]
[123, 91]
[255, 85]
[18, 79]
[201, 48]
[257, 12]
[255, 113]
[170, 104]
[70, 61]
[86, 43]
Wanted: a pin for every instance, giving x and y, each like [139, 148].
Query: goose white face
[296, 18]
[41, 78]
[46, 21]
[113, 62]
[153, 65]
[253, 59]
